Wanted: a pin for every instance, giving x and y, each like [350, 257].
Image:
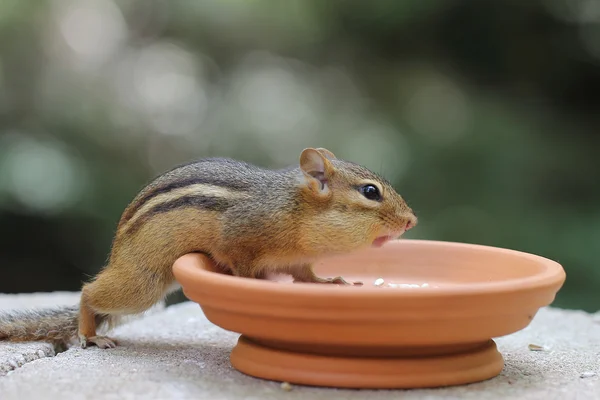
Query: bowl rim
[552, 275]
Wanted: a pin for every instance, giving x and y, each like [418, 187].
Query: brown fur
[249, 220]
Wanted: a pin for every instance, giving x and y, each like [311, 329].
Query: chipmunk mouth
[381, 240]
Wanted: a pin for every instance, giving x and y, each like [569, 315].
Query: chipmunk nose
[411, 223]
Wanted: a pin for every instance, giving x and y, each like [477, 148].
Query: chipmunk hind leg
[118, 292]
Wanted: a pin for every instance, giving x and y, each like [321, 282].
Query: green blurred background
[484, 115]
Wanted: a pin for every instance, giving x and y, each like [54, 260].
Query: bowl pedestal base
[465, 365]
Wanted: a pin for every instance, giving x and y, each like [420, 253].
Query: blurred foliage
[483, 114]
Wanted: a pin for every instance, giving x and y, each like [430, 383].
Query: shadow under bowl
[430, 323]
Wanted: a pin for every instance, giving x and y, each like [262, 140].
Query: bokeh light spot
[93, 29]
[41, 176]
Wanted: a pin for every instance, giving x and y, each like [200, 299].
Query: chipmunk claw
[102, 342]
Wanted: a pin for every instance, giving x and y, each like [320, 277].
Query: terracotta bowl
[430, 323]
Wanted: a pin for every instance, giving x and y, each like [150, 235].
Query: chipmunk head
[352, 206]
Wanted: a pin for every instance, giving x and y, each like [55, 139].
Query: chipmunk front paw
[306, 274]
[338, 280]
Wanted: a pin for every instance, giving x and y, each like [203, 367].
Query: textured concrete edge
[15, 355]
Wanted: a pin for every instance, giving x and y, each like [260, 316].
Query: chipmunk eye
[370, 192]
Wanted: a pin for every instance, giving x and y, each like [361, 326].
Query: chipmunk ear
[326, 153]
[316, 167]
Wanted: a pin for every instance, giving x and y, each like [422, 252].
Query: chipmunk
[249, 220]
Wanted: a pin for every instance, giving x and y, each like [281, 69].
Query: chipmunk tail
[56, 325]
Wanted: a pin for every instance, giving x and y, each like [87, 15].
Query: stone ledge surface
[15, 355]
[178, 354]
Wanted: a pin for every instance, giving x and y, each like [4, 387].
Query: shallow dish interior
[430, 265]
